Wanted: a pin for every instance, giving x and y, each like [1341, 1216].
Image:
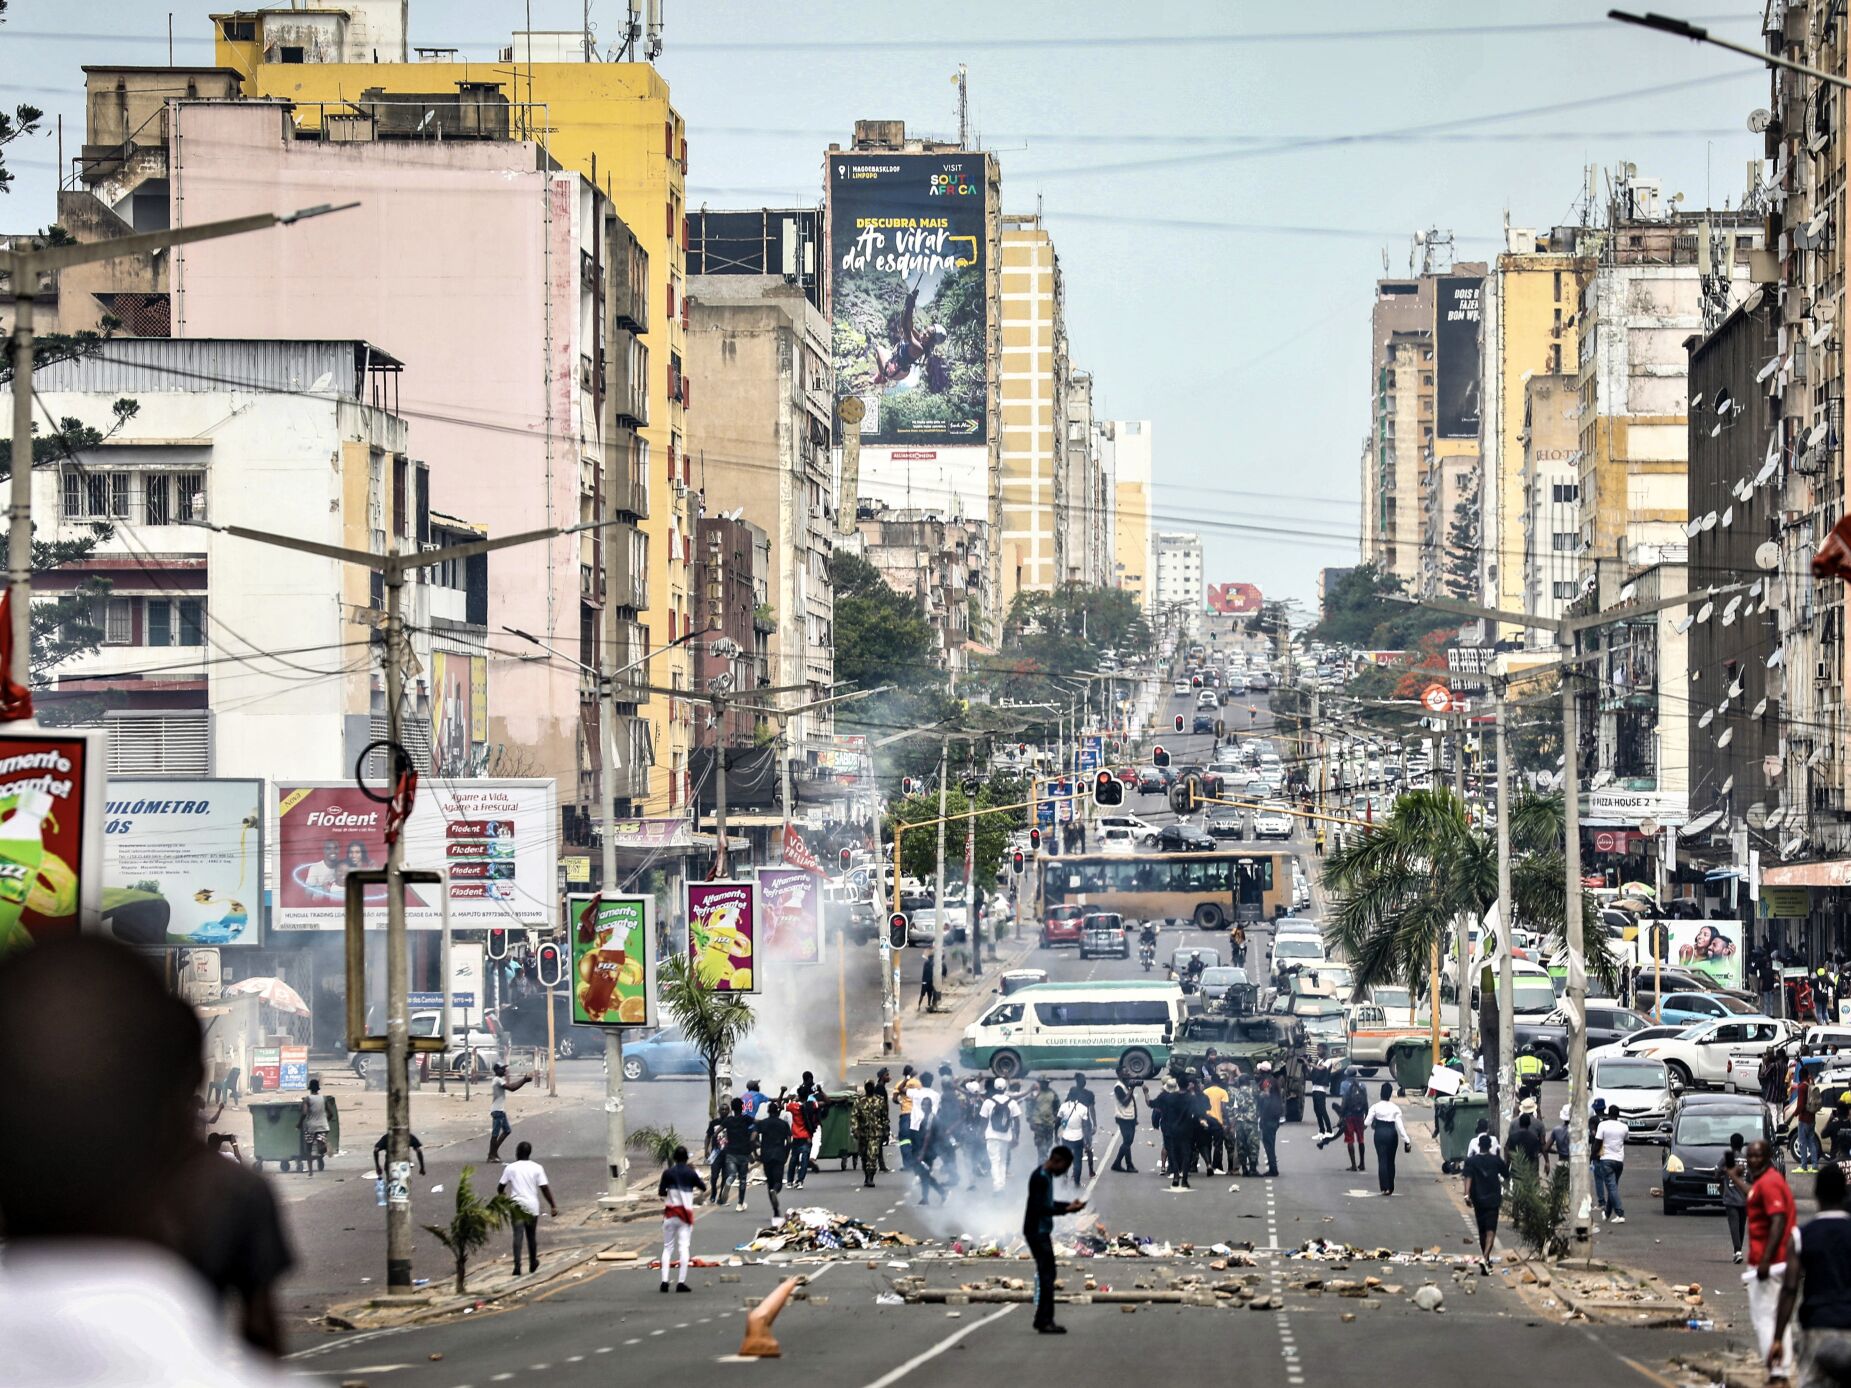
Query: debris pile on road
[817, 1230]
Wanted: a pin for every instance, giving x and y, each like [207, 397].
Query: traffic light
[497, 947]
[1034, 840]
[549, 965]
[1179, 722]
[1108, 789]
[1159, 757]
[972, 785]
[848, 857]
[909, 786]
[896, 930]
[1016, 861]
[1195, 681]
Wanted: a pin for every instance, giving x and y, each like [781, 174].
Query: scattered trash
[1695, 1324]
[1428, 1297]
[421, 1282]
[815, 1230]
[437, 1189]
[890, 1299]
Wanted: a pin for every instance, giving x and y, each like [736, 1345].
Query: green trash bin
[275, 1135]
[839, 1129]
[1457, 1118]
[1410, 1061]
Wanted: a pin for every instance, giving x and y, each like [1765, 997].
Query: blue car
[664, 1052]
[1681, 1009]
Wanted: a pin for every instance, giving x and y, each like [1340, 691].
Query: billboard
[459, 718]
[498, 840]
[1712, 948]
[612, 937]
[723, 934]
[1456, 394]
[907, 243]
[183, 860]
[791, 904]
[51, 850]
[1234, 599]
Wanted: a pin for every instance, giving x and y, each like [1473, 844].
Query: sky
[1223, 181]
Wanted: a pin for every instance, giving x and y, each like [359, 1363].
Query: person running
[499, 1128]
[1038, 1232]
[1318, 1082]
[865, 1121]
[1390, 1132]
[679, 1187]
[736, 1129]
[927, 1140]
[1485, 1174]
[1125, 1114]
[773, 1135]
[1002, 1128]
[1610, 1163]
[1818, 1285]
[523, 1181]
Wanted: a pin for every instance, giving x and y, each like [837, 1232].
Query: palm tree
[471, 1224]
[714, 1022]
[1400, 886]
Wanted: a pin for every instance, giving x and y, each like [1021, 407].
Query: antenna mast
[963, 107]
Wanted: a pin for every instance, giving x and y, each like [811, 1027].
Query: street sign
[1436, 698]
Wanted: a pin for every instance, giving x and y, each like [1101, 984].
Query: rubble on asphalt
[817, 1230]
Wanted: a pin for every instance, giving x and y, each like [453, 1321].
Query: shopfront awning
[1835, 872]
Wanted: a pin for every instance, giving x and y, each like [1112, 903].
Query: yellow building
[1034, 386]
[1125, 458]
[613, 122]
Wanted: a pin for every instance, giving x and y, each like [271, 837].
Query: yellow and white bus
[1212, 890]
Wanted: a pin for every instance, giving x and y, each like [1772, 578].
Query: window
[290, 54]
[1565, 492]
[1562, 543]
[239, 30]
[175, 622]
[1564, 588]
[1003, 1015]
[118, 622]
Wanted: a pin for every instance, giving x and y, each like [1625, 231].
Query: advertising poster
[723, 933]
[1456, 396]
[1710, 948]
[51, 787]
[907, 244]
[292, 1067]
[266, 1068]
[455, 745]
[612, 939]
[498, 840]
[183, 861]
[791, 906]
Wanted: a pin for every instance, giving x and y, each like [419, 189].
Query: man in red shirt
[1770, 1227]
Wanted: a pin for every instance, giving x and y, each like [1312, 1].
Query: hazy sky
[1222, 180]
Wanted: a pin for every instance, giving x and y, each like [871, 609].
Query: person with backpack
[1002, 1128]
[1354, 1109]
[1043, 1118]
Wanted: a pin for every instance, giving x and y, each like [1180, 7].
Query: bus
[1214, 890]
[1124, 1026]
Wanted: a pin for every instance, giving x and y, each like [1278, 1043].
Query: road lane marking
[627, 1343]
[894, 1375]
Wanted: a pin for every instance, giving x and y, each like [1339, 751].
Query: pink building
[513, 296]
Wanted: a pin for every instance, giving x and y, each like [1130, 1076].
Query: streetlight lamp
[1696, 33]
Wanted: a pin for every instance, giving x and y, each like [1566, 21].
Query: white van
[1124, 1026]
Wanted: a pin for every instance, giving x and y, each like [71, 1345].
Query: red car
[1062, 926]
[1129, 775]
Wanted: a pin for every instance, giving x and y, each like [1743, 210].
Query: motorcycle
[1147, 956]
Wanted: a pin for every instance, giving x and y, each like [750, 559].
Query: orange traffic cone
[759, 1342]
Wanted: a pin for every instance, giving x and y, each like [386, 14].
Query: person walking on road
[499, 1128]
[1610, 1163]
[1485, 1174]
[1390, 1133]
[523, 1181]
[736, 1165]
[678, 1187]
[1354, 1109]
[1038, 1232]
[1818, 1285]
[1318, 1084]
[1085, 1095]
[1244, 1117]
[1125, 1114]
[803, 1117]
[865, 1121]
[773, 1134]
[1169, 1114]
[881, 1077]
[1734, 1195]
[1002, 1128]
[928, 1143]
[903, 1097]
[1770, 1234]
[1073, 1124]
[1271, 1108]
[313, 1121]
[1043, 1118]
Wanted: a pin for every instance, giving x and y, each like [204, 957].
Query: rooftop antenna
[632, 31]
[590, 50]
[652, 48]
[963, 106]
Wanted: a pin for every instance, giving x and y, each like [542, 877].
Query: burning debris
[817, 1230]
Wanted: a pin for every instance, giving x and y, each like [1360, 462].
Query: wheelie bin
[1457, 1119]
[1410, 1061]
[276, 1136]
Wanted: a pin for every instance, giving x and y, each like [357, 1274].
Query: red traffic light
[1179, 722]
[896, 930]
[497, 947]
[848, 857]
[1108, 789]
[549, 965]
[1016, 861]
[1034, 839]
[1159, 757]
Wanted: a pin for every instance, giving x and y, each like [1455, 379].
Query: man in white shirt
[1002, 1125]
[1609, 1162]
[928, 1142]
[523, 1181]
[1070, 1131]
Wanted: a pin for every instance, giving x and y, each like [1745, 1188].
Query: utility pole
[938, 888]
[1507, 1018]
[1462, 926]
[23, 268]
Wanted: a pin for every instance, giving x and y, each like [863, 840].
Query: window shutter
[175, 743]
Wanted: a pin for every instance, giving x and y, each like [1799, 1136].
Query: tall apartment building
[732, 584]
[1549, 486]
[1531, 293]
[1179, 587]
[615, 125]
[554, 279]
[942, 562]
[1086, 530]
[1125, 454]
[1400, 424]
[761, 445]
[1035, 479]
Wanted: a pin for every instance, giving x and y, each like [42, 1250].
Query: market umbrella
[1638, 889]
[273, 991]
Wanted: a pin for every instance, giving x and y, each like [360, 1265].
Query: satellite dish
[1703, 612]
[1728, 785]
[1760, 709]
[1779, 813]
[1684, 623]
[1756, 815]
[1767, 554]
[1626, 593]
[1791, 846]
[1649, 827]
[1759, 120]
[1728, 736]
[1691, 527]
[1709, 716]
[1709, 521]
[1703, 823]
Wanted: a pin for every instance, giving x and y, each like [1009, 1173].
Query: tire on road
[1682, 1071]
[1007, 1065]
[634, 1069]
[1210, 916]
[1136, 1064]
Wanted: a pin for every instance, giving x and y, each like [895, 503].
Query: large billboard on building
[1234, 599]
[498, 840]
[459, 713]
[1457, 396]
[907, 242]
[183, 860]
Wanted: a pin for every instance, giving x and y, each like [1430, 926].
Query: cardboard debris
[817, 1230]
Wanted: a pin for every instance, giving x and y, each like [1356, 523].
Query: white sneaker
[1619, 1219]
[741, 1205]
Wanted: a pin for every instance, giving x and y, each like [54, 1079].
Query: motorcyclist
[1192, 973]
[1147, 944]
[1529, 1068]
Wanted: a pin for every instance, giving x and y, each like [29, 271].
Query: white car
[1180, 688]
[1117, 841]
[1637, 1089]
[1700, 1055]
[1633, 1043]
[1141, 830]
[1291, 951]
[1272, 821]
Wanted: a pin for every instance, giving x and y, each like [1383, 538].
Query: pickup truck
[1373, 1031]
[1607, 1022]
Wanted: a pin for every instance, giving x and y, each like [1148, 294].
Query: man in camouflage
[868, 1121]
[1244, 1119]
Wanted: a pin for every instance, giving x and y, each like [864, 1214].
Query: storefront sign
[292, 1067]
[266, 1067]
[1630, 808]
[723, 934]
[1789, 903]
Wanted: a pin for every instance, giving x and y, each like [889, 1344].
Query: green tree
[1360, 611]
[919, 847]
[471, 1223]
[713, 1022]
[881, 636]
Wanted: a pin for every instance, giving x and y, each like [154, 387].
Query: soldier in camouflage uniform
[1244, 1120]
[868, 1121]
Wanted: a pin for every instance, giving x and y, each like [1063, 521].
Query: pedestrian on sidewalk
[1770, 1234]
[773, 1134]
[1002, 1129]
[865, 1121]
[928, 982]
[1125, 1114]
[1734, 1196]
[1038, 1232]
[1485, 1174]
[679, 1187]
[736, 1132]
[1818, 1285]
[1043, 1118]
[1390, 1132]
[1556, 1145]
[928, 1143]
[499, 1129]
[523, 1181]
[1609, 1164]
